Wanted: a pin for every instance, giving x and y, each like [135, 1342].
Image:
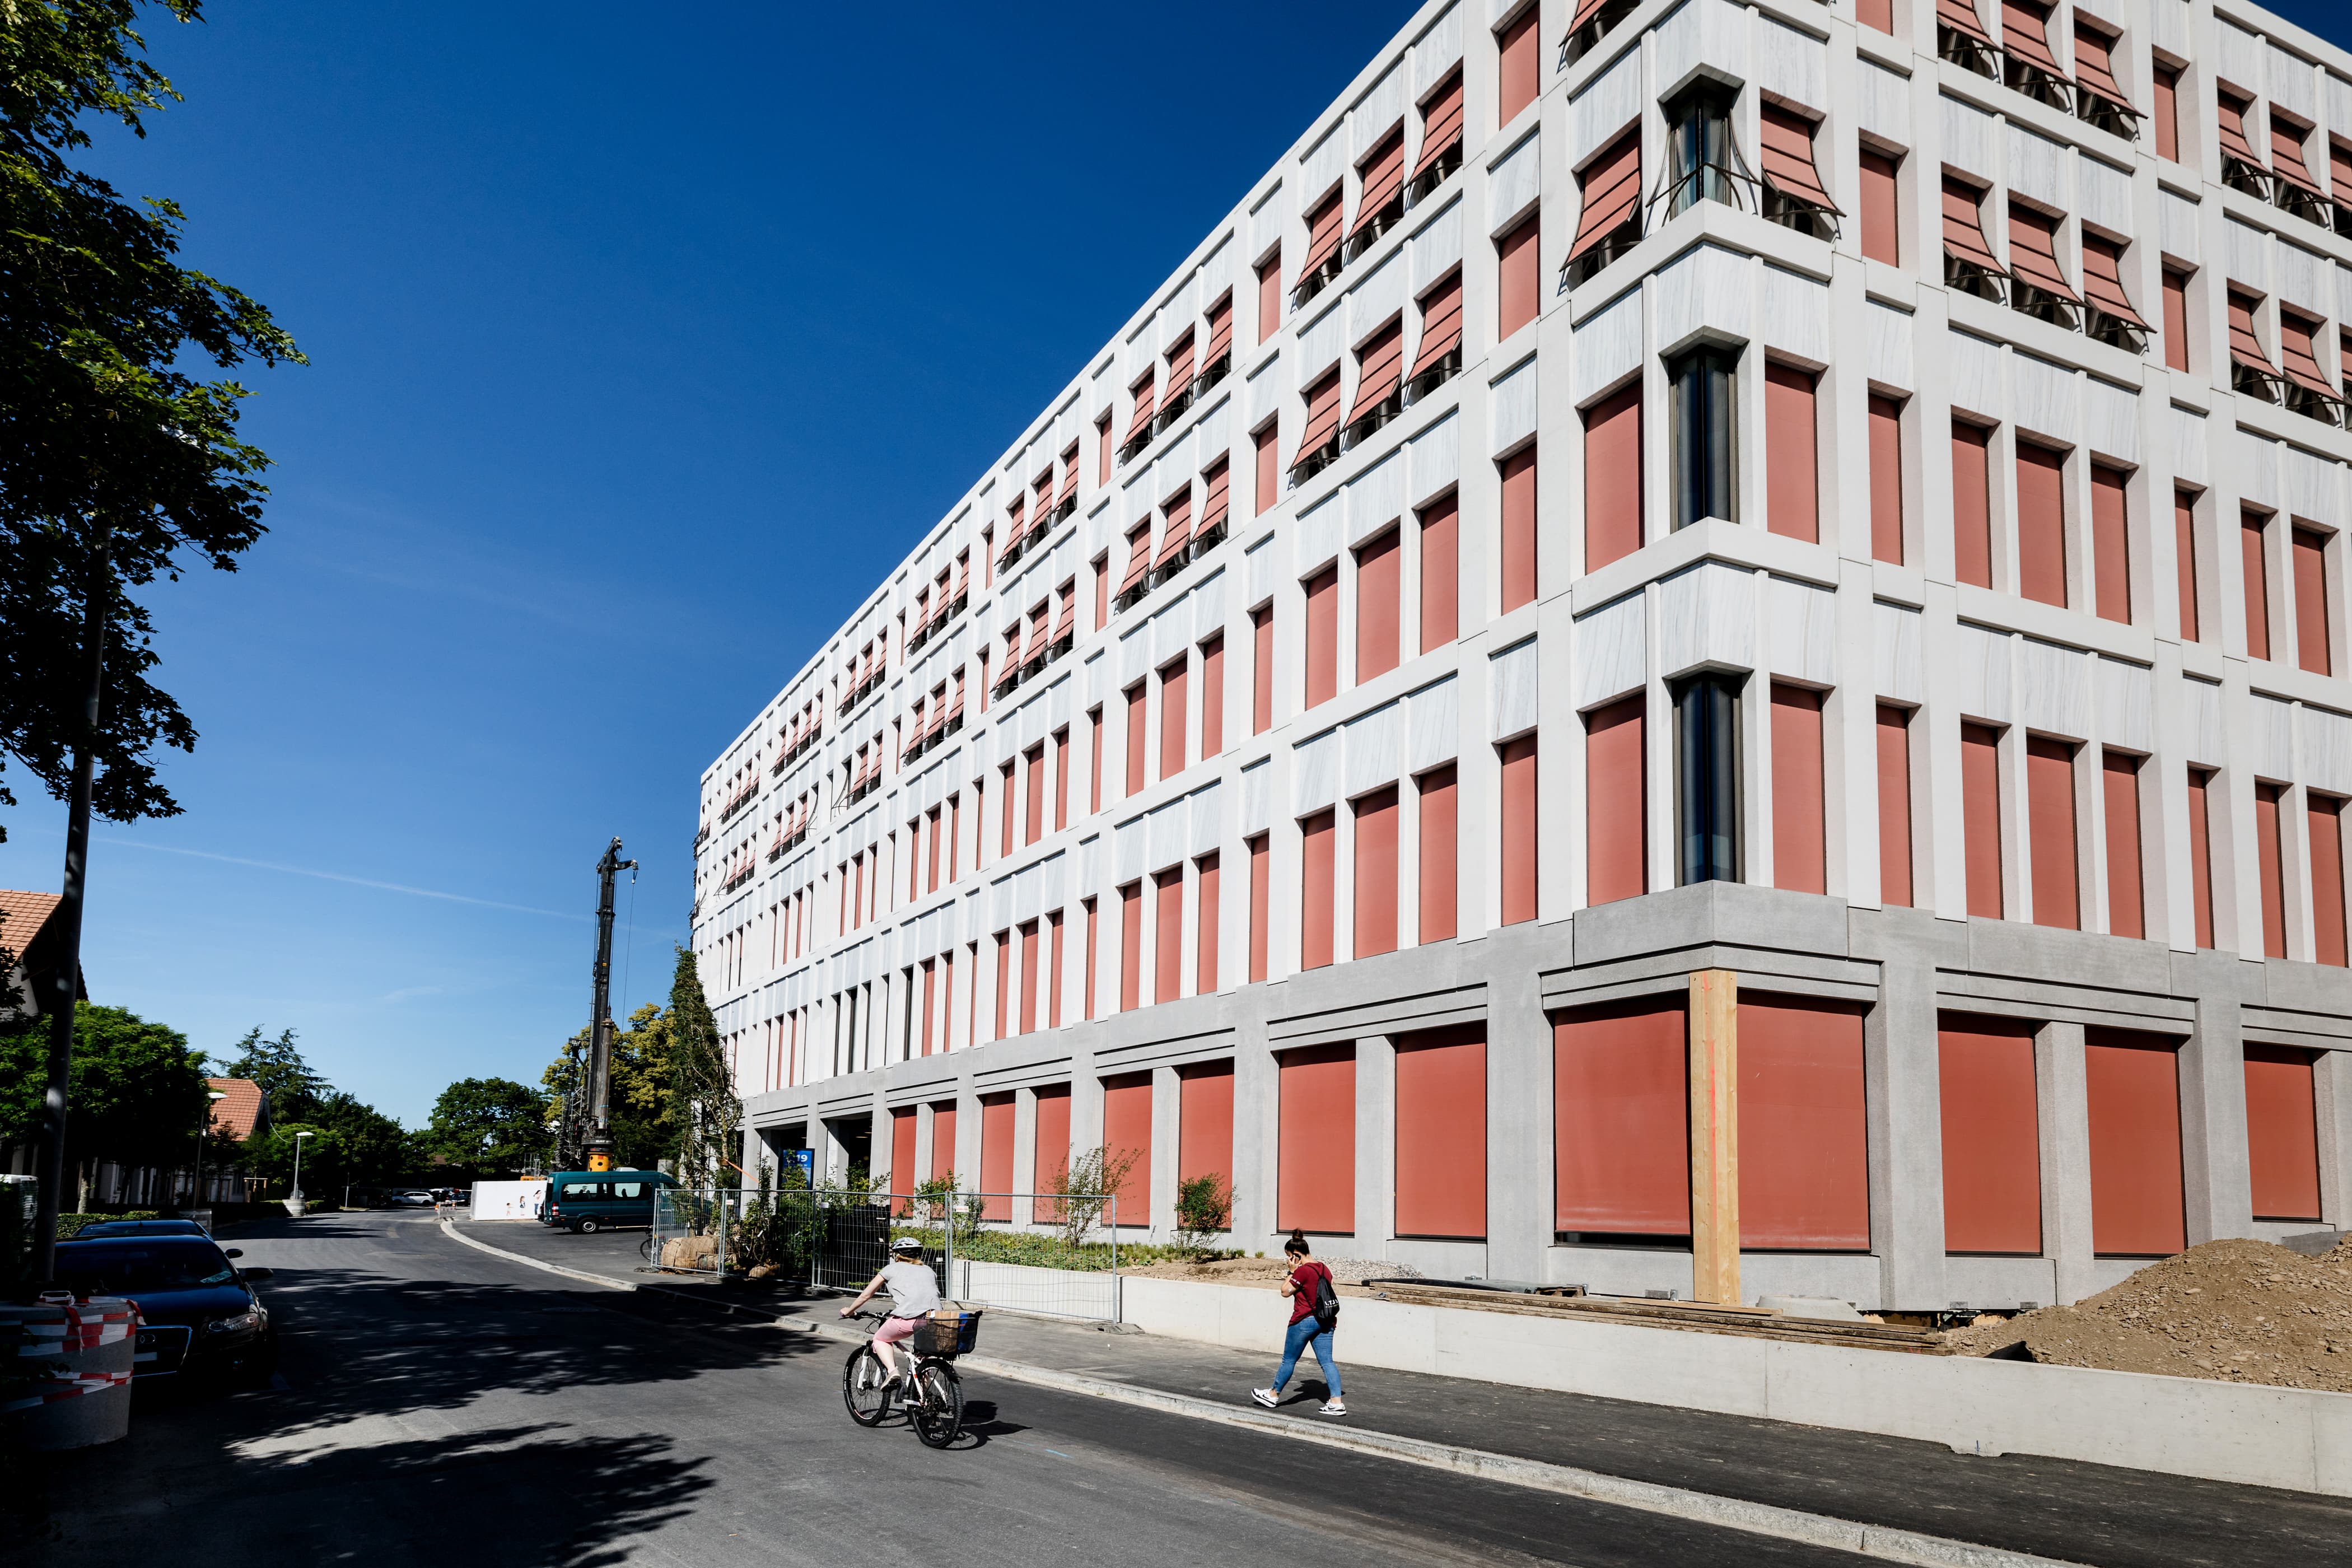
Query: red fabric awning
[2286, 156]
[1064, 623]
[1961, 16]
[1964, 229]
[1380, 370]
[1220, 482]
[1221, 332]
[1441, 323]
[1613, 189]
[2025, 34]
[1322, 413]
[1180, 368]
[1179, 532]
[2300, 353]
[1585, 11]
[2230, 117]
[963, 575]
[2339, 173]
[2244, 346]
[1383, 175]
[1138, 556]
[2095, 67]
[2033, 252]
[1441, 125]
[1322, 235]
[1788, 158]
[2103, 279]
[1037, 614]
[1069, 480]
[1141, 424]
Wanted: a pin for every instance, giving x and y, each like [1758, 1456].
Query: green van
[587, 1201]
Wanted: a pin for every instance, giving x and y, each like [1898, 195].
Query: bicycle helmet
[906, 1244]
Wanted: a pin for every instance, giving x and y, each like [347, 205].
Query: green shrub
[1204, 1207]
[69, 1224]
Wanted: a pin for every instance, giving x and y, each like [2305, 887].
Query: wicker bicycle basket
[948, 1332]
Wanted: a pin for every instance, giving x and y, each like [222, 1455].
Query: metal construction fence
[696, 1230]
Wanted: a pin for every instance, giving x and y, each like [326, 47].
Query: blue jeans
[1302, 1333]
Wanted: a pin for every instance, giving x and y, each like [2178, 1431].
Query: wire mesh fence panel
[1055, 1254]
[852, 1239]
[694, 1231]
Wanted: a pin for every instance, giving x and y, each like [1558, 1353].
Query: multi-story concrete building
[1694, 650]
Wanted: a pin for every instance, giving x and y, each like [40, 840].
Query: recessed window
[1703, 385]
[1707, 780]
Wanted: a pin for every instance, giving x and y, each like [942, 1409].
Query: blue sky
[638, 354]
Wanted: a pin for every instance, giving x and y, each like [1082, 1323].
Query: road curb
[1873, 1541]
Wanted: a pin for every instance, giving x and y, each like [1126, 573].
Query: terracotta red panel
[1323, 636]
[2272, 869]
[1804, 1153]
[1054, 972]
[1318, 846]
[1519, 830]
[2255, 575]
[2127, 913]
[2200, 857]
[903, 1178]
[1051, 1157]
[996, 1155]
[1135, 737]
[1376, 873]
[1269, 469]
[1127, 1130]
[2136, 1209]
[1519, 69]
[2167, 103]
[1269, 318]
[943, 1138]
[1612, 478]
[1621, 1119]
[1029, 960]
[1981, 818]
[1791, 471]
[1518, 292]
[1315, 1184]
[2324, 816]
[1131, 947]
[1880, 233]
[2110, 544]
[1800, 856]
[1204, 1122]
[1441, 1134]
[2051, 835]
[1205, 936]
[1885, 480]
[1378, 607]
[1261, 888]
[1168, 930]
[1893, 806]
[1441, 569]
[1440, 853]
[1992, 1147]
[2176, 319]
[2311, 599]
[2184, 546]
[1261, 670]
[1519, 531]
[2040, 524]
[2282, 1132]
[1174, 682]
[1971, 504]
[1213, 697]
[1616, 802]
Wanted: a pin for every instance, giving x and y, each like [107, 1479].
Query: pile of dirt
[1272, 1271]
[2236, 1311]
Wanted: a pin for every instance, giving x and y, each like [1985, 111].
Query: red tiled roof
[240, 1106]
[22, 916]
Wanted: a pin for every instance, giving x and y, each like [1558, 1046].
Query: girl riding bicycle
[914, 1295]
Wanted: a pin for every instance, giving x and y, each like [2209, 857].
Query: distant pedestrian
[1314, 1314]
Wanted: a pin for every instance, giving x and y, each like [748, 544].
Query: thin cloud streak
[339, 876]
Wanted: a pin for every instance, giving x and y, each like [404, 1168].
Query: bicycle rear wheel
[865, 1387]
[938, 1415]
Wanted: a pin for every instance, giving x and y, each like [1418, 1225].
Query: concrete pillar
[967, 1137]
[907, 1181]
[2331, 1086]
[1903, 1090]
[1166, 1104]
[1519, 1133]
[2216, 1172]
[1714, 1135]
[1024, 1155]
[1375, 1144]
[2061, 1098]
[1256, 1134]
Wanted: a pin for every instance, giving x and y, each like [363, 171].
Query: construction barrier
[65, 1372]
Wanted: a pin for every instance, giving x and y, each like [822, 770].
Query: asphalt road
[442, 1406]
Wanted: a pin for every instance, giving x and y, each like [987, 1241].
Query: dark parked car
[602, 1200]
[101, 1227]
[197, 1311]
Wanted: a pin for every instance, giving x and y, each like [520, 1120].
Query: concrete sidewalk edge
[1702, 1507]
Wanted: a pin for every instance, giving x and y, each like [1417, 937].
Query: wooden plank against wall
[1715, 1136]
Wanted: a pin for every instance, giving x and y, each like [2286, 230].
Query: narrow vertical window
[1881, 232]
[1213, 697]
[1061, 779]
[1261, 888]
[1261, 669]
[1135, 738]
[1704, 435]
[2311, 599]
[1518, 835]
[1168, 944]
[1706, 794]
[2201, 855]
[1205, 937]
[1173, 680]
[1094, 760]
[1378, 588]
[2184, 559]
[1885, 480]
[1102, 589]
[1005, 810]
[1519, 284]
[1518, 66]
[1322, 635]
[1519, 529]
[2166, 95]
[1800, 849]
[1269, 468]
[1093, 954]
[2272, 867]
[1972, 503]
[1376, 874]
[1102, 450]
[1131, 947]
[1441, 565]
[2050, 833]
[1981, 818]
[1318, 847]
[1895, 806]
[2126, 903]
[1612, 478]
[1004, 990]
[2110, 544]
[1440, 833]
[2323, 818]
[1269, 302]
[1030, 956]
[2040, 524]
[2257, 583]
[1033, 826]
[2176, 319]
[1616, 797]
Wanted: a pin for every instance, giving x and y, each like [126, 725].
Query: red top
[1302, 1291]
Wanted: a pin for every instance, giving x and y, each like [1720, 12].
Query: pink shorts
[893, 1330]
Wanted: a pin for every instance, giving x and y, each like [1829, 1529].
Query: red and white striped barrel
[65, 1371]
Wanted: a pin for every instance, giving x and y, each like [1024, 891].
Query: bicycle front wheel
[866, 1387]
[938, 1415]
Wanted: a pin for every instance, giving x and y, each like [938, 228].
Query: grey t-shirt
[914, 1290]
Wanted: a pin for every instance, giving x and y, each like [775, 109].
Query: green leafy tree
[488, 1127]
[709, 1116]
[138, 1091]
[119, 463]
[643, 1102]
[296, 1093]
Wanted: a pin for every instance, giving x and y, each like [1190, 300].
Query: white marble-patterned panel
[2169, 22]
[1511, 685]
[1435, 457]
[1172, 630]
[1701, 32]
[1378, 300]
[2271, 722]
[1976, 376]
[1257, 802]
[1027, 884]
[1436, 52]
[1797, 314]
[2327, 749]
[1208, 812]
[1433, 724]
[1982, 667]
[2110, 420]
[1182, 313]
[1134, 656]
[1322, 167]
[2292, 84]
[1608, 346]
[1266, 385]
[1887, 332]
[2304, 279]
[1511, 408]
[2103, 194]
[1437, 246]
[1215, 431]
[2337, 93]
[1172, 834]
[1610, 651]
[2108, 11]
[1707, 616]
[1804, 631]
[2176, 226]
[1097, 676]
[1376, 498]
[2343, 291]
[1884, 103]
[2257, 466]
[1128, 846]
[1209, 607]
[1321, 340]
[1315, 772]
[2185, 430]
[1606, 107]
[1896, 668]
[2125, 704]
[2248, 251]
[1791, 64]
[1707, 287]
[1374, 745]
[2204, 728]
[1260, 560]
[2046, 397]
[2239, 56]
[2310, 486]
[2037, 167]
[1513, 184]
[1968, 138]
[1377, 112]
[1319, 527]
[1176, 465]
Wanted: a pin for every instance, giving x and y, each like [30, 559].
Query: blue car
[198, 1314]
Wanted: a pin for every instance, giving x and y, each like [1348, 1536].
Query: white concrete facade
[825, 1010]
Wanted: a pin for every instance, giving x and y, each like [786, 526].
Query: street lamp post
[294, 1203]
[203, 1131]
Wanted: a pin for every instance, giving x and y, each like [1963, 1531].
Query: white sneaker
[1335, 1407]
[1265, 1396]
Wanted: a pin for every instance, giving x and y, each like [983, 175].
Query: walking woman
[1314, 1313]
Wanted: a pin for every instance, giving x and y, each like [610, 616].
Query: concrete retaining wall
[2186, 1426]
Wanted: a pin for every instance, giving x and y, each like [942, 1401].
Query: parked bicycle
[929, 1391]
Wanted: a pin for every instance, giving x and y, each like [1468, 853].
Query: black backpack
[1326, 1302]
